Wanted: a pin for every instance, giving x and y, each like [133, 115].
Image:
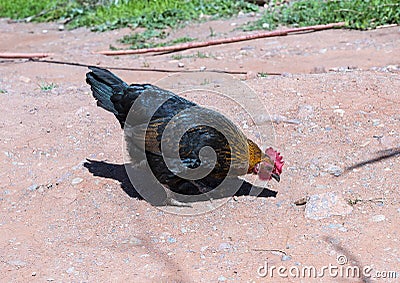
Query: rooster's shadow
[118, 172]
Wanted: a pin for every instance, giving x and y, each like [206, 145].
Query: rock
[24, 79]
[376, 122]
[70, 270]
[378, 218]
[221, 278]
[334, 170]
[171, 240]
[204, 248]
[224, 246]
[326, 205]
[286, 258]
[340, 112]
[17, 263]
[33, 187]
[132, 241]
[181, 65]
[76, 181]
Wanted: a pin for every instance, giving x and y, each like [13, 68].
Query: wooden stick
[220, 41]
[23, 55]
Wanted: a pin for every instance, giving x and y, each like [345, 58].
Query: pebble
[376, 122]
[76, 181]
[70, 270]
[24, 79]
[202, 249]
[33, 273]
[334, 170]
[33, 187]
[378, 218]
[326, 205]
[181, 65]
[133, 241]
[340, 112]
[224, 246]
[286, 258]
[398, 210]
[203, 68]
[171, 240]
[61, 27]
[17, 262]
[221, 278]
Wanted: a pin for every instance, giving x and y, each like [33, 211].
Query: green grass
[105, 14]
[147, 38]
[357, 14]
[45, 86]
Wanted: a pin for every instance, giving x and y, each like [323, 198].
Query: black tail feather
[105, 84]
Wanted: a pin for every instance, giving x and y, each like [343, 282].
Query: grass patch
[110, 14]
[147, 39]
[357, 14]
[45, 86]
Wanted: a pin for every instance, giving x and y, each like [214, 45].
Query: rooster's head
[270, 166]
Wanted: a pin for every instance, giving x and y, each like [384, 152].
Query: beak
[276, 177]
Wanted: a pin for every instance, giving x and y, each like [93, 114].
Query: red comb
[278, 159]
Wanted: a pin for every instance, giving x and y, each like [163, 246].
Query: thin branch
[220, 41]
[145, 69]
[8, 55]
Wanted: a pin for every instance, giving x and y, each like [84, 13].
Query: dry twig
[220, 41]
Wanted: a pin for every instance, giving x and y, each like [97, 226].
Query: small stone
[45, 31]
[265, 25]
[286, 258]
[17, 263]
[24, 79]
[326, 205]
[76, 181]
[70, 270]
[203, 68]
[33, 187]
[398, 210]
[378, 218]
[134, 241]
[183, 230]
[33, 273]
[376, 122]
[221, 278]
[340, 112]
[171, 240]
[334, 170]
[204, 248]
[61, 27]
[181, 65]
[224, 246]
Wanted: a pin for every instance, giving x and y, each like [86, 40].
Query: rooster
[154, 110]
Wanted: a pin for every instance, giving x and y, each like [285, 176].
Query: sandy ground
[335, 106]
